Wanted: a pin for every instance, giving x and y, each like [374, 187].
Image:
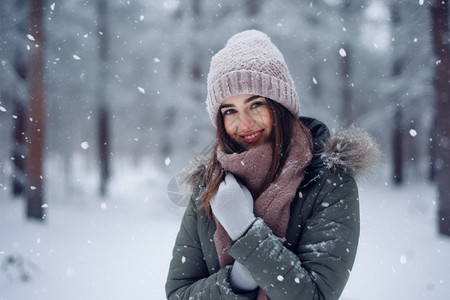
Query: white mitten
[241, 279]
[232, 205]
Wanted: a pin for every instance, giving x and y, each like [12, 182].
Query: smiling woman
[274, 211]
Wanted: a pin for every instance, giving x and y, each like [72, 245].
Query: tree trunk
[397, 148]
[432, 154]
[346, 92]
[398, 152]
[103, 135]
[18, 147]
[196, 66]
[36, 124]
[346, 110]
[439, 15]
[103, 111]
[18, 180]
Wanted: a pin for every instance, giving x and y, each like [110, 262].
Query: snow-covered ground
[119, 247]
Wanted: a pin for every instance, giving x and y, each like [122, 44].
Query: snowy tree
[14, 55]
[407, 89]
[35, 132]
[441, 137]
[397, 126]
[103, 117]
[349, 10]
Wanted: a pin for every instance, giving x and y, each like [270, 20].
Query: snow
[93, 248]
[400, 255]
[84, 145]
[141, 90]
[119, 247]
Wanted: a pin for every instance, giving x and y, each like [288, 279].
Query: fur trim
[352, 151]
[195, 171]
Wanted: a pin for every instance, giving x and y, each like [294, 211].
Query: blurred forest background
[94, 84]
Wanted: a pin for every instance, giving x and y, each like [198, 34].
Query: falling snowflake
[30, 37]
[342, 52]
[412, 132]
[76, 57]
[403, 259]
[141, 90]
[84, 145]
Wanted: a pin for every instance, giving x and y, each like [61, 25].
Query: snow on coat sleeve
[320, 266]
[188, 276]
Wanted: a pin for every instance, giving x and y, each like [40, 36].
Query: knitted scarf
[273, 204]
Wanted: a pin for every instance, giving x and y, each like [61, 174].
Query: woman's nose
[246, 121]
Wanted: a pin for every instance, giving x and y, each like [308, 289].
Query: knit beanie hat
[249, 64]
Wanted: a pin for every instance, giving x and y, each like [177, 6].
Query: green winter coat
[315, 259]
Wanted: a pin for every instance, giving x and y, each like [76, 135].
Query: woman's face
[247, 119]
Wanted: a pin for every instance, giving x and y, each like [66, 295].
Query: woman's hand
[232, 205]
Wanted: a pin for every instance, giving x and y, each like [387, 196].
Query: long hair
[280, 137]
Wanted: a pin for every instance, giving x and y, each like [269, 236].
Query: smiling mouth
[252, 136]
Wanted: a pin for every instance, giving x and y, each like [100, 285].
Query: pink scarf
[273, 204]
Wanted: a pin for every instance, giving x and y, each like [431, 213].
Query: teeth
[251, 136]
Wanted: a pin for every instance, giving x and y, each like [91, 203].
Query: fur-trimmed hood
[352, 151]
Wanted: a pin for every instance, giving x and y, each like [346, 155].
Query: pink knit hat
[249, 64]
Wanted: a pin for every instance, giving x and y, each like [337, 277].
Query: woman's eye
[228, 112]
[257, 104]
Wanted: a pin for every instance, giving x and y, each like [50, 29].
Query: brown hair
[282, 131]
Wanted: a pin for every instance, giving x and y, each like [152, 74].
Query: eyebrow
[245, 101]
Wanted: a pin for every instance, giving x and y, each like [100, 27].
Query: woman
[274, 210]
